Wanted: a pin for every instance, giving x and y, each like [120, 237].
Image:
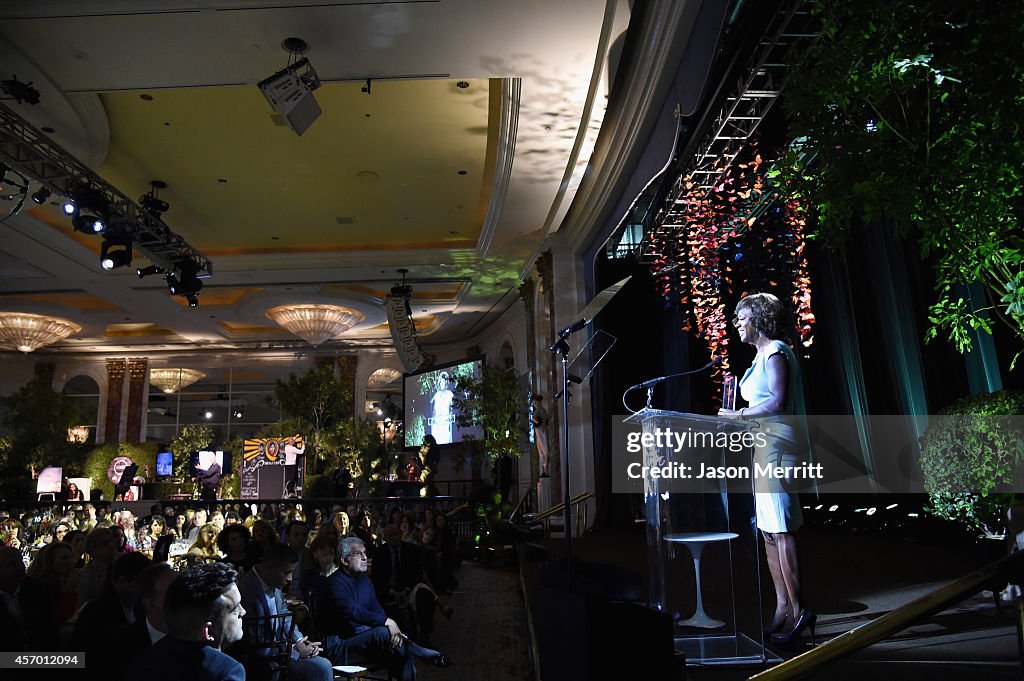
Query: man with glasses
[355, 627]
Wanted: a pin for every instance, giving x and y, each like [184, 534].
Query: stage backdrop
[274, 468]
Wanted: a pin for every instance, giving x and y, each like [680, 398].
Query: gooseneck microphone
[715, 361]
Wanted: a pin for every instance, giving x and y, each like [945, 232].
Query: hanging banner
[403, 333]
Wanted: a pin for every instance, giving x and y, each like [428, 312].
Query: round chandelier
[315, 323]
[172, 380]
[28, 332]
[383, 377]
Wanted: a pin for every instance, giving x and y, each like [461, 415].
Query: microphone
[715, 361]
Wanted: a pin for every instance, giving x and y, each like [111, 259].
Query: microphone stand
[717, 359]
[562, 348]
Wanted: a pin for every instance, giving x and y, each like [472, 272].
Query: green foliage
[318, 487]
[970, 452]
[191, 438]
[358, 445]
[911, 113]
[36, 425]
[97, 461]
[492, 403]
[318, 399]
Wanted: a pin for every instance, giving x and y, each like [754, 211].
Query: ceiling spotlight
[40, 195]
[151, 203]
[89, 224]
[183, 281]
[208, 414]
[115, 253]
[70, 207]
[149, 270]
[193, 300]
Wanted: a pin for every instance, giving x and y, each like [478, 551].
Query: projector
[290, 92]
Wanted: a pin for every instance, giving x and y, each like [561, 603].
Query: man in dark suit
[262, 597]
[397, 570]
[355, 627]
[204, 613]
[150, 625]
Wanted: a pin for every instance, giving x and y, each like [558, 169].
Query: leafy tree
[191, 438]
[910, 113]
[36, 424]
[319, 399]
[491, 403]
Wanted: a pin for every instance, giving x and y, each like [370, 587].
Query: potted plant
[970, 453]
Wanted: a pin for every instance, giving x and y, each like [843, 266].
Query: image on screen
[164, 464]
[205, 458]
[430, 404]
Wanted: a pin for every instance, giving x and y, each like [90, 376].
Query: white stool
[349, 671]
[695, 541]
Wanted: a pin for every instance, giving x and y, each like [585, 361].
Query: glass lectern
[702, 547]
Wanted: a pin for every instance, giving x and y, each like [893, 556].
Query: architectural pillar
[347, 366]
[138, 373]
[115, 392]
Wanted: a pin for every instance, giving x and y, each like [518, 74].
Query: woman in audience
[408, 528]
[205, 545]
[76, 540]
[342, 523]
[157, 529]
[48, 597]
[363, 530]
[60, 530]
[235, 542]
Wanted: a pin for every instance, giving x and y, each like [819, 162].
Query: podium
[703, 557]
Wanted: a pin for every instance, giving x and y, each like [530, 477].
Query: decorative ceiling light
[315, 323]
[383, 377]
[27, 332]
[172, 380]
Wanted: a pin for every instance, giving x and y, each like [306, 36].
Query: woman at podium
[771, 387]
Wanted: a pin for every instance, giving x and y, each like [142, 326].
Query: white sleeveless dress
[777, 510]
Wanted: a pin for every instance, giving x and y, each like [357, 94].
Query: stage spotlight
[70, 207]
[40, 195]
[149, 270]
[89, 224]
[115, 253]
[151, 203]
[193, 300]
[173, 285]
[208, 414]
[183, 281]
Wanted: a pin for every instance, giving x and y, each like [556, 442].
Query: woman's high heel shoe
[806, 620]
[775, 628]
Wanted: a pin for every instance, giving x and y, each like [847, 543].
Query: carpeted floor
[487, 635]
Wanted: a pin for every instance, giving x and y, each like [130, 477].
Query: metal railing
[581, 512]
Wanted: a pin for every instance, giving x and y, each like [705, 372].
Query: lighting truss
[34, 155]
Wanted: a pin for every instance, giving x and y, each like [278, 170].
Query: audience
[12, 572]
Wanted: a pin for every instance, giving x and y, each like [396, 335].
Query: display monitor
[430, 408]
[164, 464]
[205, 458]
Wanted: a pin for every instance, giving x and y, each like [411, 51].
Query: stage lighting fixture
[193, 300]
[40, 195]
[183, 281]
[70, 207]
[89, 224]
[149, 270]
[290, 90]
[115, 253]
[151, 203]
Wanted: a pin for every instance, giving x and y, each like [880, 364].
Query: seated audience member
[198, 520]
[235, 542]
[342, 522]
[401, 585]
[203, 612]
[325, 555]
[99, 544]
[296, 537]
[12, 572]
[205, 546]
[76, 539]
[263, 536]
[157, 529]
[112, 611]
[150, 625]
[355, 626]
[261, 590]
[48, 599]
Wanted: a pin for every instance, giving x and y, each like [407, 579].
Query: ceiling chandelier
[172, 380]
[315, 323]
[383, 377]
[27, 332]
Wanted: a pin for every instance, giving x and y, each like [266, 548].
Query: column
[138, 372]
[115, 392]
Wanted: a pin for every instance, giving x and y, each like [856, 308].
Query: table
[695, 542]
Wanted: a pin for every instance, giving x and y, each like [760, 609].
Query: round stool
[695, 542]
[349, 671]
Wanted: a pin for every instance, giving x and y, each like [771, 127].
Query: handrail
[522, 502]
[557, 508]
[455, 510]
[1009, 568]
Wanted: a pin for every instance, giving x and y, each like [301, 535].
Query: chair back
[268, 640]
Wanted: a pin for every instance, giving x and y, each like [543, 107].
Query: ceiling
[461, 160]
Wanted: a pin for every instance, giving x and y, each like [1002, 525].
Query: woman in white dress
[771, 388]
